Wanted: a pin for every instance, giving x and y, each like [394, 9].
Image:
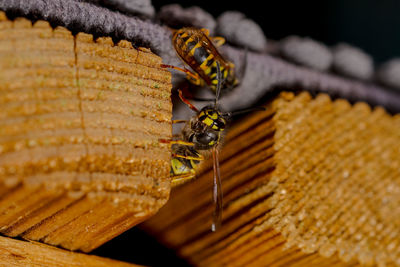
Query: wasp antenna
[243, 111]
[219, 79]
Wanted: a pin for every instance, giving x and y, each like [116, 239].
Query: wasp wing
[217, 192]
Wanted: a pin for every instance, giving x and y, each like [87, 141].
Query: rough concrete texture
[307, 52]
[263, 72]
[177, 17]
[133, 7]
[79, 16]
[352, 62]
[389, 73]
[241, 31]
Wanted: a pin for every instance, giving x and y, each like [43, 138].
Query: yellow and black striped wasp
[201, 134]
[198, 50]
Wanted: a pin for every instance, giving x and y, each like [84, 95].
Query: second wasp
[199, 51]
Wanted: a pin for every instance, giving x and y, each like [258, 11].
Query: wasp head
[212, 118]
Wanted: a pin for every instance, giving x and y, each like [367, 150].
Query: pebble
[241, 31]
[352, 62]
[389, 73]
[177, 17]
[306, 52]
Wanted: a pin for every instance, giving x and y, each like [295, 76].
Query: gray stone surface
[133, 7]
[241, 31]
[389, 73]
[177, 17]
[306, 52]
[263, 72]
[352, 62]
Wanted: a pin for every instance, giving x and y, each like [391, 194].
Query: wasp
[198, 50]
[200, 135]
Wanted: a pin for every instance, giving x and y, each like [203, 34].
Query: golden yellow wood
[80, 123]
[16, 253]
[309, 182]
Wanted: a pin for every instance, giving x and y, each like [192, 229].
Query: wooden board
[80, 158]
[22, 253]
[309, 182]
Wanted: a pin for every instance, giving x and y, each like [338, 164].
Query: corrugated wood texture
[22, 253]
[309, 182]
[80, 120]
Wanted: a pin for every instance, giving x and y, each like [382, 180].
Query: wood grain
[309, 182]
[23, 253]
[80, 158]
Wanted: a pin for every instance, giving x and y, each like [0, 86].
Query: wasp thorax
[205, 140]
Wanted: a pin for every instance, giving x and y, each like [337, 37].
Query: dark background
[372, 25]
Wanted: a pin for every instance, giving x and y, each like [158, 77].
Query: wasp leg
[184, 100]
[187, 94]
[180, 179]
[199, 158]
[178, 121]
[205, 31]
[176, 142]
[195, 80]
[192, 77]
[218, 40]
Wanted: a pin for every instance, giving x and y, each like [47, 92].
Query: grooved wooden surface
[80, 123]
[23, 253]
[309, 182]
